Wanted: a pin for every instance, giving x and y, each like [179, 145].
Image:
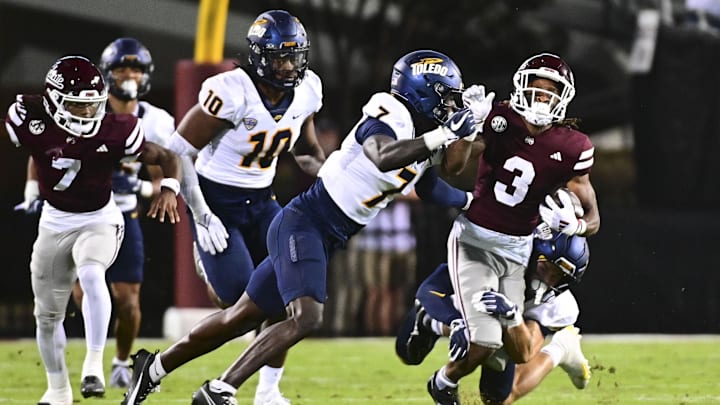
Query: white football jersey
[158, 125]
[353, 181]
[246, 155]
[558, 312]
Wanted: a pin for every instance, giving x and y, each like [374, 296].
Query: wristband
[516, 320]
[435, 138]
[582, 227]
[171, 183]
[146, 189]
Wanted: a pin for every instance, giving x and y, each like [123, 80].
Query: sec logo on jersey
[499, 124]
[36, 127]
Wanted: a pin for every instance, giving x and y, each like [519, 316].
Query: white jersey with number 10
[246, 155]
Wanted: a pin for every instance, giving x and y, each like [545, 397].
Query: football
[579, 211]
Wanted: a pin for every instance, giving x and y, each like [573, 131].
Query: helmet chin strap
[540, 289]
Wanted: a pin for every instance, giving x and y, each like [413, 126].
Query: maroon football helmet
[74, 83]
[524, 99]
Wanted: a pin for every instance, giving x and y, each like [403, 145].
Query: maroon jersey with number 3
[74, 173]
[517, 170]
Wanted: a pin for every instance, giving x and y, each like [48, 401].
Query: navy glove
[459, 340]
[462, 123]
[124, 184]
[497, 304]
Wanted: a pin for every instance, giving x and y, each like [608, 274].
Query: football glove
[480, 104]
[460, 125]
[32, 204]
[562, 218]
[211, 233]
[497, 304]
[459, 340]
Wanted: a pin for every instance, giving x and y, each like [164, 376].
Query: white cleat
[61, 396]
[120, 376]
[271, 397]
[573, 362]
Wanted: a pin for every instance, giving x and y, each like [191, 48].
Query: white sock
[269, 378]
[57, 381]
[96, 305]
[93, 364]
[555, 352]
[442, 380]
[51, 340]
[436, 327]
[122, 363]
[157, 371]
[221, 386]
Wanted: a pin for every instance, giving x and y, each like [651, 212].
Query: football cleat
[120, 376]
[62, 396]
[573, 361]
[141, 385]
[91, 386]
[270, 397]
[206, 396]
[422, 339]
[447, 396]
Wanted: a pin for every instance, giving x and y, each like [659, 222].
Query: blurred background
[647, 94]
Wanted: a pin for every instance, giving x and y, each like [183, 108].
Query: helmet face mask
[430, 82]
[127, 53]
[278, 49]
[75, 96]
[544, 86]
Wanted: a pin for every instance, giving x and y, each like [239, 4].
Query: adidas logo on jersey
[556, 156]
[101, 148]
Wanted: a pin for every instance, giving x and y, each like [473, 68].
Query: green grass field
[366, 371]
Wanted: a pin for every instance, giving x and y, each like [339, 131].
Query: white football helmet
[524, 99]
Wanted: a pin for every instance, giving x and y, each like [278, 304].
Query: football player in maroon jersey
[74, 146]
[529, 150]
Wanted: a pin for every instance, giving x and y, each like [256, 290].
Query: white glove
[480, 104]
[211, 233]
[32, 202]
[563, 218]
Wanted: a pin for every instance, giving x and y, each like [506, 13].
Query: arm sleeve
[433, 189]
[373, 126]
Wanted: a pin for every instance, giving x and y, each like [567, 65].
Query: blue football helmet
[276, 38]
[568, 253]
[127, 52]
[430, 82]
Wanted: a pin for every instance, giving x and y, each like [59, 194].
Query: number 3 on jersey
[524, 174]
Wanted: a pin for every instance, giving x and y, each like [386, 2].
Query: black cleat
[91, 386]
[206, 396]
[141, 385]
[422, 339]
[447, 396]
